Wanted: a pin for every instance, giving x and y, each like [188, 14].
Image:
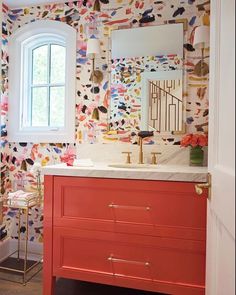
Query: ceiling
[24, 3]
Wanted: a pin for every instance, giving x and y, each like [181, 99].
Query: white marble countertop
[161, 172]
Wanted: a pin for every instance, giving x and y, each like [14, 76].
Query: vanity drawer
[163, 264]
[158, 208]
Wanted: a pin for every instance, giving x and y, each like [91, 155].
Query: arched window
[42, 77]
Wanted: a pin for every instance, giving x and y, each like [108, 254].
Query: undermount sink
[132, 166]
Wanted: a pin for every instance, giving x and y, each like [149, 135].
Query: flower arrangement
[194, 140]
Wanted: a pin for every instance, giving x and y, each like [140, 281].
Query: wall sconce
[93, 50]
[201, 41]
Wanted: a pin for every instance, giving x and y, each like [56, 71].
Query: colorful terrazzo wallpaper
[115, 14]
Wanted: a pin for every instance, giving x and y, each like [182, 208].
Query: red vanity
[143, 234]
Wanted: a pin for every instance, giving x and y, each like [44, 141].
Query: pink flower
[194, 140]
[203, 140]
[186, 140]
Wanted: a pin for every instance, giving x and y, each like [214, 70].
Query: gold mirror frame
[184, 21]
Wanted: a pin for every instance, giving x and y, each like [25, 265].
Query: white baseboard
[8, 246]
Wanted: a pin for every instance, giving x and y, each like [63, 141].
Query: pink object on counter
[69, 157]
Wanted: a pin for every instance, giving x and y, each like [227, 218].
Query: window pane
[40, 65]
[58, 64]
[57, 106]
[39, 107]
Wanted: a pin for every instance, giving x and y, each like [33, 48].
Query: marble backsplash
[112, 153]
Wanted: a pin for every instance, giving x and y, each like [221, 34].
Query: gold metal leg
[26, 245]
[19, 226]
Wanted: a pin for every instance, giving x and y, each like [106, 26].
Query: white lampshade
[93, 48]
[202, 37]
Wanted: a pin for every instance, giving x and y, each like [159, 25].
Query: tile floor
[63, 286]
[68, 287]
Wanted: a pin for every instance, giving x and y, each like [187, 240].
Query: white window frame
[19, 44]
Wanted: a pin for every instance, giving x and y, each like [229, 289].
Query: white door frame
[221, 207]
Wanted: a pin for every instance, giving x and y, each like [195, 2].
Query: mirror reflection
[147, 87]
[162, 102]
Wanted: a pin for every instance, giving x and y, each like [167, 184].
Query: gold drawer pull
[114, 206]
[118, 260]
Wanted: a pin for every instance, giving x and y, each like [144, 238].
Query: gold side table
[23, 265]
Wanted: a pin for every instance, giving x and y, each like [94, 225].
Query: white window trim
[17, 42]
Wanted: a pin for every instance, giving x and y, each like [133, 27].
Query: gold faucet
[128, 159]
[142, 135]
[140, 143]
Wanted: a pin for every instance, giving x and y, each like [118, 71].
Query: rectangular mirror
[147, 79]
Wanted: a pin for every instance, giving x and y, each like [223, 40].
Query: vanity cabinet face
[166, 209]
[147, 235]
[150, 260]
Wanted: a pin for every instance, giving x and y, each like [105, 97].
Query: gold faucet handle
[154, 157]
[128, 159]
